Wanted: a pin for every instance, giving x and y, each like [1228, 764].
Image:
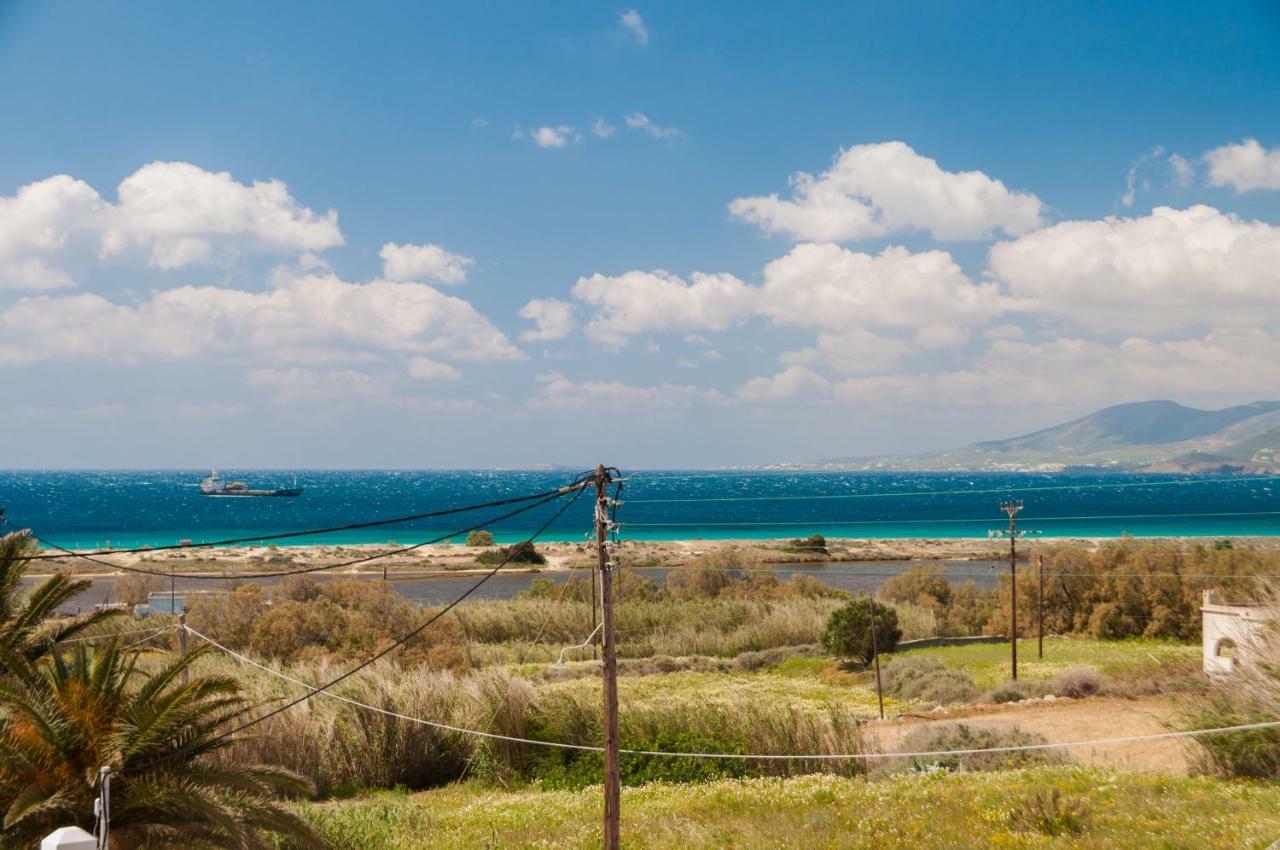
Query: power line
[498, 503]
[1129, 739]
[405, 638]
[946, 573]
[157, 630]
[960, 492]
[818, 522]
[322, 567]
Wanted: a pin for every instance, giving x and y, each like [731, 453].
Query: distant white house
[1229, 631]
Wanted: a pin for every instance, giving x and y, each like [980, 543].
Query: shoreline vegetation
[453, 559]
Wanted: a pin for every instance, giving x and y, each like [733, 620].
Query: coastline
[452, 560]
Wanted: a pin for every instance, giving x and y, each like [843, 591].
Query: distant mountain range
[1151, 436]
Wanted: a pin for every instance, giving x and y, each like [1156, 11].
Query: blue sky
[989, 148]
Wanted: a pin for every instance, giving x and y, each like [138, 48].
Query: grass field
[988, 663]
[820, 679]
[1122, 810]
[819, 687]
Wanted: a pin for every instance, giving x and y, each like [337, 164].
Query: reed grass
[343, 748]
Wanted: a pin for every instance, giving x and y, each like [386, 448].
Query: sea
[130, 508]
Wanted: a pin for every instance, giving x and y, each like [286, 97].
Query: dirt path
[1076, 720]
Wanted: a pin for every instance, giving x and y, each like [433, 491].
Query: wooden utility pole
[1012, 508]
[612, 796]
[595, 616]
[1040, 604]
[875, 653]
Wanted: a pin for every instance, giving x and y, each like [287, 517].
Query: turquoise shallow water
[147, 508]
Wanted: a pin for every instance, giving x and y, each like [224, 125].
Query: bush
[136, 588]
[814, 544]
[962, 736]
[848, 630]
[920, 585]
[927, 680]
[480, 538]
[1254, 754]
[300, 588]
[714, 573]
[1014, 691]
[1077, 682]
[520, 553]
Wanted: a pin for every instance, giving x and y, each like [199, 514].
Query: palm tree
[29, 624]
[70, 714]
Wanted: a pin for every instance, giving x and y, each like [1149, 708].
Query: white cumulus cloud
[792, 382]
[827, 286]
[1167, 270]
[553, 319]
[820, 286]
[302, 317]
[876, 189]
[423, 262]
[167, 215]
[1245, 167]
[645, 302]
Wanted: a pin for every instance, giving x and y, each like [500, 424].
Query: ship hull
[287, 492]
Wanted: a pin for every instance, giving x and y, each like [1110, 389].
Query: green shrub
[962, 736]
[1078, 682]
[521, 553]
[848, 630]
[927, 680]
[1254, 754]
[480, 538]
[814, 544]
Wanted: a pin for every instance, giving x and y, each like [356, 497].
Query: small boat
[215, 485]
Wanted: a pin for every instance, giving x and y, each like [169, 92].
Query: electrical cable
[499, 503]
[985, 491]
[1128, 739]
[402, 640]
[824, 522]
[322, 567]
[995, 570]
[157, 630]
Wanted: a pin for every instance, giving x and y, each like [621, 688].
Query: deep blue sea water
[146, 508]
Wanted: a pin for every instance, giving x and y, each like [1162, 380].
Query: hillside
[1154, 436]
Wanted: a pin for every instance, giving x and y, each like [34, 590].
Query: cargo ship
[215, 485]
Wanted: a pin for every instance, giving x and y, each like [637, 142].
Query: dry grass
[342, 748]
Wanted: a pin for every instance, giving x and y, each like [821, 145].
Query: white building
[1229, 630]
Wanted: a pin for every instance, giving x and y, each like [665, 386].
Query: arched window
[1226, 648]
